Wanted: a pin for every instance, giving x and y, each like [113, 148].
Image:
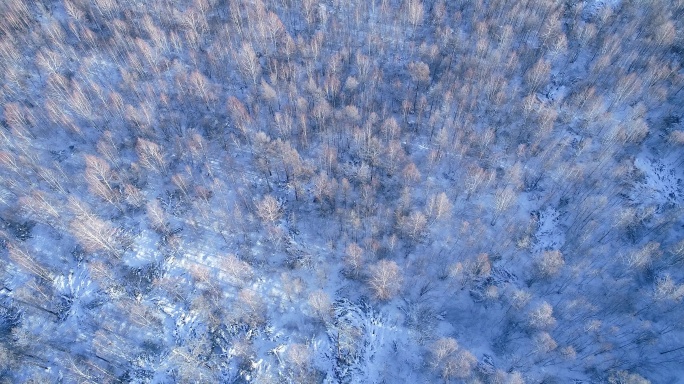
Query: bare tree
[626, 88]
[97, 235]
[269, 95]
[420, 73]
[113, 348]
[250, 308]
[202, 87]
[438, 207]
[299, 359]
[108, 149]
[23, 259]
[503, 199]
[413, 225]
[269, 209]
[324, 190]
[298, 355]
[197, 145]
[450, 360]
[476, 178]
[240, 116]
[538, 75]
[188, 362]
[481, 266]
[284, 124]
[415, 12]
[549, 263]
[624, 377]
[353, 258]
[544, 343]
[249, 62]
[320, 304]
[237, 271]
[666, 289]
[156, 215]
[151, 156]
[181, 181]
[101, 179]
[665, 33]
[542, 316]
[50, 61]
[42, 207]
[133, 196]
[411, 174]
[54, 177]
[676, 250]
[644, 256]
[94, 233]
[385, 279]
[393, 156]
[16, 16]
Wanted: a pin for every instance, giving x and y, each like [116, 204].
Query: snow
[549, 235]
[367, 347]
[169, 308]
[661, 183]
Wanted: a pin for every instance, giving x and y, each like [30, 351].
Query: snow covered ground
[341, 192]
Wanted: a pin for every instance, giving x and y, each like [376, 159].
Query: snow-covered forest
[341, 191]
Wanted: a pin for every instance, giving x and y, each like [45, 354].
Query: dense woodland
[383, 191]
